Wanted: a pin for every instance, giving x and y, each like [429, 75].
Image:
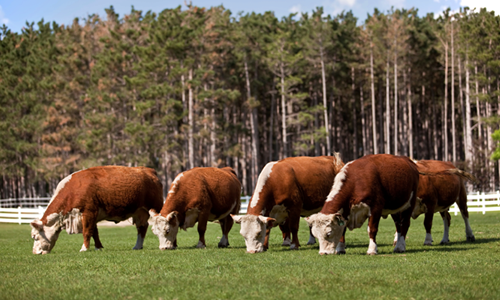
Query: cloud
[337, 6]
[296, 9]
[3, 19]
[489, 4]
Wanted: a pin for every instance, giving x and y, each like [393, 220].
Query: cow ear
[153, 213]
[339, 218]
[268, 221]
[53, 218]
[37, 224]
[172, 217]
[310, 220]
[237, 218]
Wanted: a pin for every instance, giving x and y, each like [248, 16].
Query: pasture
[459, 270]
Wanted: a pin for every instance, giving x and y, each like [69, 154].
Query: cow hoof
[83, 249]
[137, 248]
[311, 243]
[444, 242]
[98, 249]
[429, 244]
[340, 252]
[371, 253]
[471, 239]
[399, 251]
[223, 245]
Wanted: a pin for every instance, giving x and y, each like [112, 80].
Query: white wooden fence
[475, 202]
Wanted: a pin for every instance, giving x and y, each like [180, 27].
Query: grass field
[459, 270]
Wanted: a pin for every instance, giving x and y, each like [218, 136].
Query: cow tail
[458, 172]
[337, 162]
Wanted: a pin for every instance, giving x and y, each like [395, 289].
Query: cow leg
[225, 224]
[446, 222]
[429, 216]
[312, 239]
[202, 228]
[266, 239]
[294, 220]
[88, 228]
[373, 225]
[285, 230]
[340, 249]
[140, 220]
[97, 241]
[462, 205]
[404, 225]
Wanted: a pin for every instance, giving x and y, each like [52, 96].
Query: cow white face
[165, 228]
[45, 236]
[328, 229]
[253, 230]
[420, 208]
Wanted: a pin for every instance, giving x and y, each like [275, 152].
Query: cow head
[328, 229]
[165, 228]
[45, 236]
[420, 208]
[253, 230]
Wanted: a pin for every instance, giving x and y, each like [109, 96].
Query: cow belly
[307, 213]
[441, 208]
[386, 212]
[102, 215]
[213, 217]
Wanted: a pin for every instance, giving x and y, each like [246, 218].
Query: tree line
[200, 87]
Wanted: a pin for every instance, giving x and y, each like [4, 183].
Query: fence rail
[23, 213]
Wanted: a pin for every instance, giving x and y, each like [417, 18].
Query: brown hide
[212, 191]
[118, 191]
[382, 181]
[442, 189]
[298, 183]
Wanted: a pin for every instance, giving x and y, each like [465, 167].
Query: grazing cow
[82, 199]
[198, 195]
[286, 190]
[373, 186]
[436, 193]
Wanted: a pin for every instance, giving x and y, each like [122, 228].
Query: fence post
[40, 212]
[483, 198]
[19, 214]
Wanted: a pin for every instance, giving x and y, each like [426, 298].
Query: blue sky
[15, 13]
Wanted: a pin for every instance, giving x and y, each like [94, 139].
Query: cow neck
[172, 204]
[57, 206]
[340, 201]
[257, 209]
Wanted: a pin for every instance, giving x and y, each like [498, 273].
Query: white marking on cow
[446, 233]
[372, 248]
[73, 221]
[83, 248]
[428, 239]
[401, 244]
[338, 182]
[173, 187]
[261, 181]
[468, 230]
[287, 242]
[340, 248]
[139, 243]
[191, 218]
[60, 186]
[312, 240]
[386, 212]
[359, 213]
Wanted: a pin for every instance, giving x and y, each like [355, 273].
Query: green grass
[459, 270]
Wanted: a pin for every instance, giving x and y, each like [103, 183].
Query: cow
[198, 195]
[82, 199]
[373, 186]
[437, 192]
[285, 191]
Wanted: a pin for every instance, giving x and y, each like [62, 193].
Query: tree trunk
[283, 113]
[271, 127]
[374, 123]
[323, 82]
[191, 122]
[395, 101]
[467, 133]
[453, 130]
[462, 106]
[354, 119]
[254, 131]
[410, 119]
[363, 120]
[387, 111]
[445, 119]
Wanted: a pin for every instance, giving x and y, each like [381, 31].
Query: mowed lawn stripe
[459, 270]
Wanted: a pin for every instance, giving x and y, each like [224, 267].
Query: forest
[200, 87]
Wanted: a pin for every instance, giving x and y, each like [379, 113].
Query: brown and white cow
[285, 191]
[371, 187]
[437, 192]
[198, 195]
[82, 199]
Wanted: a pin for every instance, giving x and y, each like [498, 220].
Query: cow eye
[329, 233]
[168, 231]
